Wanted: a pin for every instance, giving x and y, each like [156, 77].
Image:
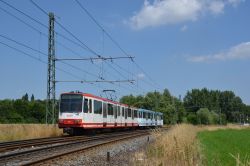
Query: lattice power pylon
[51, 88]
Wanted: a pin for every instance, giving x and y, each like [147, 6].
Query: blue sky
[180, 44]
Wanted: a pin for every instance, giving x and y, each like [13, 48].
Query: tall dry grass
[179, 146]
[222, 127]
[241, 161]
[10, 132]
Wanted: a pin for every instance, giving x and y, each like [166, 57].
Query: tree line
[23, 110]
[199, 106]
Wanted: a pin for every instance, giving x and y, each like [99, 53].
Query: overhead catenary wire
[101, 27]
[36, 58]
[35, 20]
[26, 46]
[35, 29]
[115, 42]
[43, 26]
[42, 53]
[76, 38]
[46, 63]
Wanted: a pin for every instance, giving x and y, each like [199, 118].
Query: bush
[215, 119]
[204, 116]
[192, 118]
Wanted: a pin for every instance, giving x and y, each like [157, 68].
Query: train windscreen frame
[71, 103]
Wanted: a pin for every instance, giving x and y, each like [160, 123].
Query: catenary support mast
[51, 91]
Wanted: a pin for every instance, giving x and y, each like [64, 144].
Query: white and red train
[81, 111]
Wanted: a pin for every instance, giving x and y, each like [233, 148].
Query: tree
[32, 98]
[171, 107]
[25, 97]
[225, 102]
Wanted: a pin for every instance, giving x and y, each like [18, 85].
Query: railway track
[58, 146]
[7, 146]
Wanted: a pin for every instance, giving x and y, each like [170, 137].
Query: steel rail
[38, 142]
[18, 155]
[112, 140]
[5, 146]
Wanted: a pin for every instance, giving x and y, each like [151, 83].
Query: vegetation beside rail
[187, 144]
[178, 146]
[10, 132]
[199, 106]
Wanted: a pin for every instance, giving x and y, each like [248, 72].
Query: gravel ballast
[120, 153]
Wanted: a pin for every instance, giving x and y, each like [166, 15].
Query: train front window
[71, 103]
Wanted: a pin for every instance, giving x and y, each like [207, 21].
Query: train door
[115, 114]
[119, 115]
[110, 114]
[126, 116]
[104, 114]
[123, 118]
[132, 113]
[87, 110]
[135, 117]
[90, 111]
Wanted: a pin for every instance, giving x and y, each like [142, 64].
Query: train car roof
[96, 97]
[145, 110]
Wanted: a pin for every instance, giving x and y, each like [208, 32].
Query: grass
[189, 145]
[10, 132]
[226, 147]
[179, 146]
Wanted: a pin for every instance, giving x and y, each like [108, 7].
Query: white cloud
[166, 12]
[184, 28]
[216, 7]
[240, 51]
[235, 3]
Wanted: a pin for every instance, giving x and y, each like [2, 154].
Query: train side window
[90, 106]
[104, 110]
[132, 113]
[97, 107]
[135, 113]
[123, 111]
[129, 112]
[110, 109]
[115, 110]
[144, 115]
[126, 113]
[86, 108]
[119, 111]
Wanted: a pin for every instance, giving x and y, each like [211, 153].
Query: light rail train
[79, 112]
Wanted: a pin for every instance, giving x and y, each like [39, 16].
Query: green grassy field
[219, 146]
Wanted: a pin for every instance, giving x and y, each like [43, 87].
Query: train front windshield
[71, 103]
